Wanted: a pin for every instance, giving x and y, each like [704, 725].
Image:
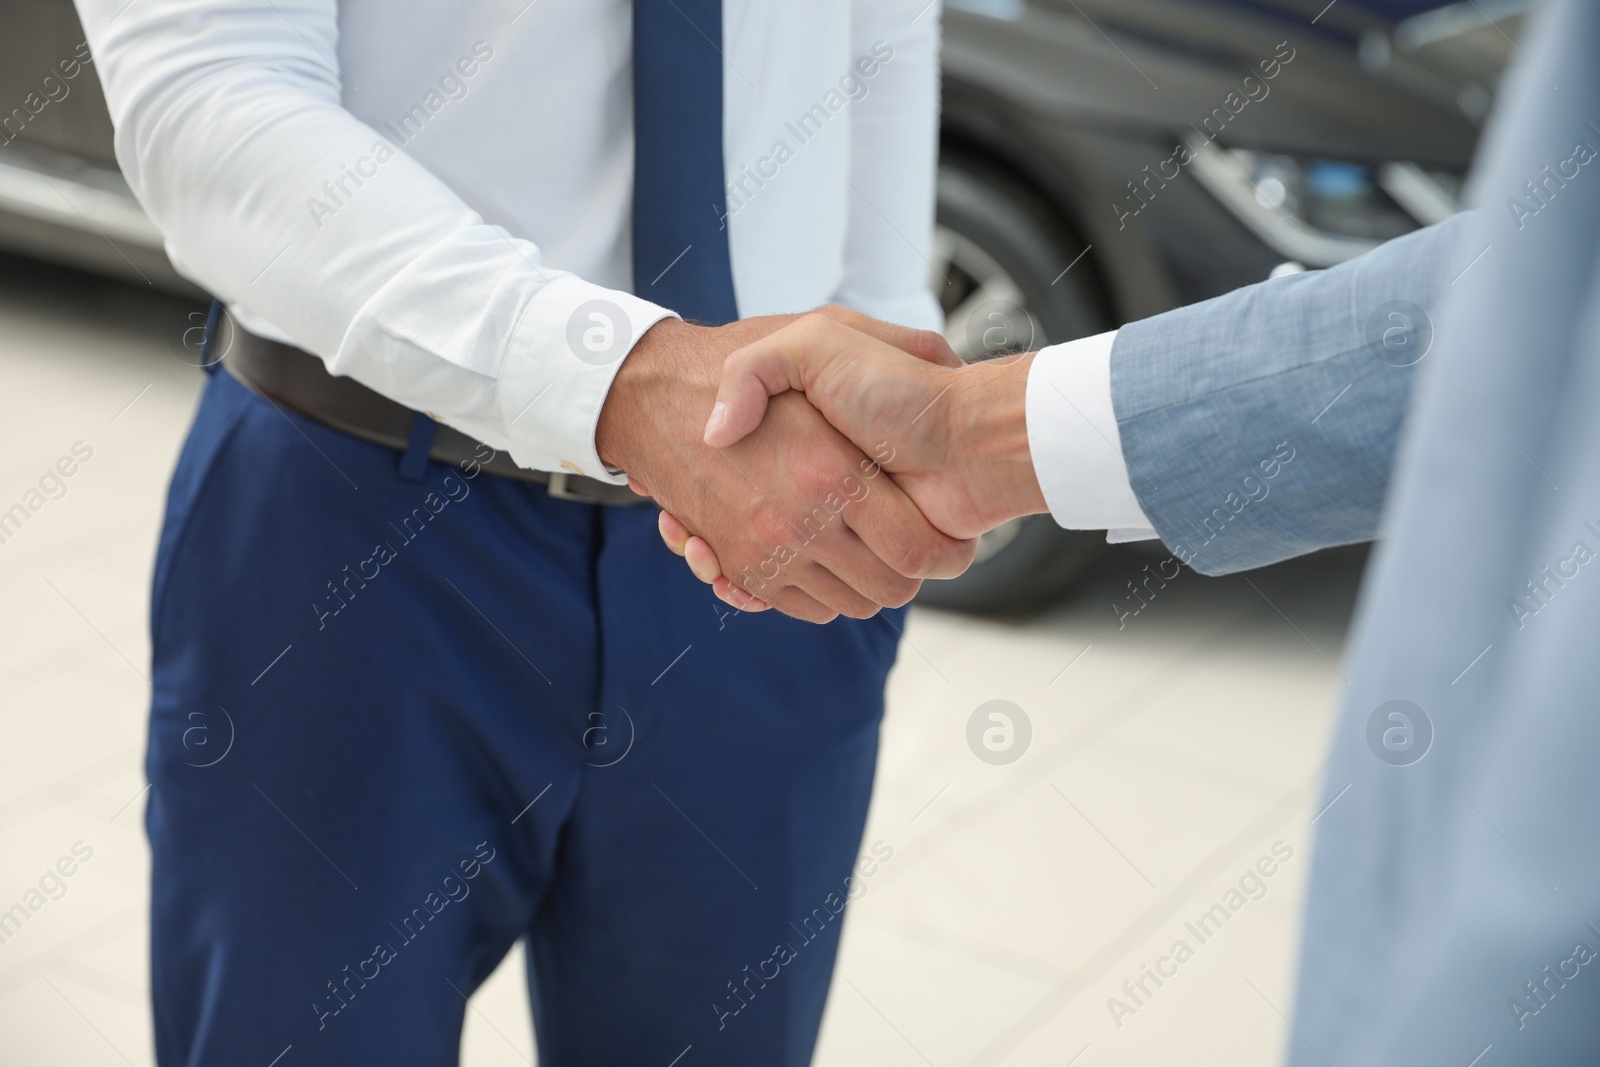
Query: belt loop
[414, 460]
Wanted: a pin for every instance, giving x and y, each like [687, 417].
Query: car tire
[994, 232]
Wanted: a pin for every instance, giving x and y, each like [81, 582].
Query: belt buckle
[558, 488]
[564, 486]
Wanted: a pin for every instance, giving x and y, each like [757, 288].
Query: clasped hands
[821, 464]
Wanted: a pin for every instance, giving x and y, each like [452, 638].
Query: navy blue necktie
[680, 243]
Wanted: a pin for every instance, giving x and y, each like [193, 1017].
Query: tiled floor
[1166, 758]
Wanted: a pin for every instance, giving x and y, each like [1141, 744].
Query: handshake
[821, 464]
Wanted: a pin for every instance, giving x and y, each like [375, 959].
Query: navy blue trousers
[399, 724]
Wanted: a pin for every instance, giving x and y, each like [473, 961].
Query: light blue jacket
[1454, 907]
[1263, 424]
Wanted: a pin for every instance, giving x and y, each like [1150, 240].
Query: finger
[894, 530]
[784, 359]
[844, 556]
[637, 486]
[800, 605]
[834, 592]
[732, 594]
[672, 532]
[702, 561]
[926, 345]
[803, 356]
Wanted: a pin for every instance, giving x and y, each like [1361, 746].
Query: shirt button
[568, 465]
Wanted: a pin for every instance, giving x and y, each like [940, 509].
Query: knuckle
[930, 345]
[967, 553]
[960, 556]
[916, 558]
[838, 313]
[815, 475]
[769, 526]
[800, 606]
[816, 488]
[900, 592]
[818, 325]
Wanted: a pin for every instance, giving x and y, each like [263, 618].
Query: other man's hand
[795, 511]
[955, 440]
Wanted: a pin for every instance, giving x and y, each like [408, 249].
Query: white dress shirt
[1075, 443]
[423, 194]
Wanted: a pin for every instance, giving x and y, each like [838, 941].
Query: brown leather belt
[299, 381]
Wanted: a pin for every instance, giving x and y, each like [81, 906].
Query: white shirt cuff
[1077, 448]
[561, 362]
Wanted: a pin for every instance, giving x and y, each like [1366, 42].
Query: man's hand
[797, 514]
[955, 440]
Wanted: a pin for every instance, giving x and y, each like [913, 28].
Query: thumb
[927, 345]
[793, 357]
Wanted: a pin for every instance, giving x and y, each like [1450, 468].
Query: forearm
[273, 196]
[1263, 424]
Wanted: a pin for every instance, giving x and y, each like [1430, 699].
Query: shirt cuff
[1076, 446]
[561, 361]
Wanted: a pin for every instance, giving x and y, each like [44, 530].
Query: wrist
[991, 438]
[660, 381]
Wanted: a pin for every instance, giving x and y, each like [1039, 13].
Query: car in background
[1106, 160]
[61, 195]
[1101, 161]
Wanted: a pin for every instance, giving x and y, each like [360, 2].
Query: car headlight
[1323, 211]
[1327, 195]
